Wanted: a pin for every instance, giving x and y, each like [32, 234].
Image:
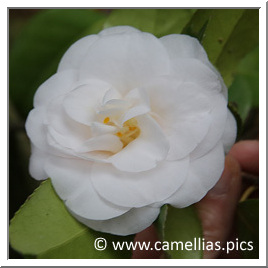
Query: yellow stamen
[119, 134]
[129, 132]
[247, 193]
[132, 128]
[106, 120]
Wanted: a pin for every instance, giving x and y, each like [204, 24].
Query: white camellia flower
[128, 123]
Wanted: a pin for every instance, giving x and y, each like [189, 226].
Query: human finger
[216, 210]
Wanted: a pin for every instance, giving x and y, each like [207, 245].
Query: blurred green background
[38, 39]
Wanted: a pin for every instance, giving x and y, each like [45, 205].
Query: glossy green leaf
[240, 95]
[249, 68]
[244, 91]
[160, 22]
[219, 26]
[43, 228]
[243, 39]
[160, 222]
[248, 228]
[181, 232]
[227, 36]
[37, 51]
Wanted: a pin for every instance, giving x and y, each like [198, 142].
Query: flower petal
[125, 60]
[106, 142]
[118, 30]
[58, 84]
[218, 116]
[200, 179]
[145, 151]
[111, 94]
[76, 53]
[35, 128]
[140, 104]
[230, 131]
[65, 131]
[36, 165]
[83, 102]
[183, 111]
[194, 71]
[186, 136]
[134, 221]
[184, 46]
[139, 189]
[181, 46]
[100, 129]
[71, 180]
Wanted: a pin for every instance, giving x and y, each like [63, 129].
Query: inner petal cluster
[128, 132]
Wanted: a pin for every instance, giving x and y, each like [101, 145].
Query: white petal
[171, 98]
[100, 129]
[138, 96]
[186, 135]
[139, 189]
[64, 130]
[111, 94]
[113, 109]
[76, 53]
[145, 151]
[229, 134]
[140, 102]
[37, 162]
[203, 174]
[106, 142]
[181, 46]
[134, 112]
[194, 71]
[58, 84]
[71, 180]
[55, 145]
[65, 136]
[83, 102]
[64, 141]
[134, 221]
[183, 111]
[60, 146]
[118, 30]
[125, 60]
[184, 46]
[218, 119]
[35, 128]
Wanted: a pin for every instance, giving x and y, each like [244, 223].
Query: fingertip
[247, 154]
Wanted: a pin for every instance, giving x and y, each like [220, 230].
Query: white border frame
[262, 133]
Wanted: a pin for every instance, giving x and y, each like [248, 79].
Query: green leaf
[159, 22]
[240, 95]
[160, 222]
[244, 91]
[196, 27]
[227, 36]
[37, 52]
[248, 227]
[181, 232]
[244, 38]
[43, 228]
[220, 24]
[233, 109]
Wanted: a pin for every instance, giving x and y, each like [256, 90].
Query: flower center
[128, 132]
